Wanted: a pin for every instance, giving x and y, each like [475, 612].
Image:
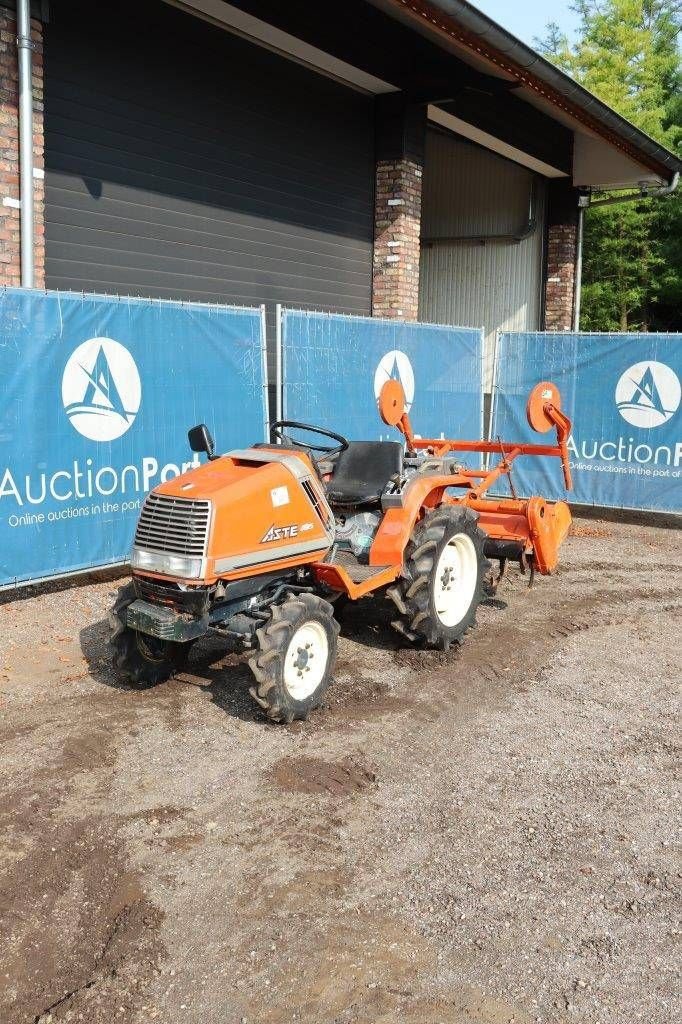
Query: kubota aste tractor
[257, 545]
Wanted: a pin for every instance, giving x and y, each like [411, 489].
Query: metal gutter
[464, 24]
[585, 202]
[644, 193]
[25, 48]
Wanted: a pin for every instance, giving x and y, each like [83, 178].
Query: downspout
[24, 48]
[668, 189]
[586, 201]
[583, 203]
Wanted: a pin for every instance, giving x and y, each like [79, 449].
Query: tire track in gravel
[300, 932]
[77, 927]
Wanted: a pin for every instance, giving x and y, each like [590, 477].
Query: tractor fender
[422, 494]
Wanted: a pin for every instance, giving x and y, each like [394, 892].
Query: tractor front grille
[177, 526]
[192, 601]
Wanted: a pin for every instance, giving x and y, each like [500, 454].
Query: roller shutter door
[185, 162]
[483, 224]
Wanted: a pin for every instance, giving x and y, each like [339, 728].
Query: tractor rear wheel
[295, 658]
[444, 578]
[144, 660]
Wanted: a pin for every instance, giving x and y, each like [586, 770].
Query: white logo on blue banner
[81, 445]
[101, 389]
[395, 365]
[334, 367]
[648, 394]
[623, 393]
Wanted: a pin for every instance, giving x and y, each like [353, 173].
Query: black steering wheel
[277, 434]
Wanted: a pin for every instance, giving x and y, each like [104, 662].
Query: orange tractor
[256, 547]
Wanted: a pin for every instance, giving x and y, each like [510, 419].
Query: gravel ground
[482, 837]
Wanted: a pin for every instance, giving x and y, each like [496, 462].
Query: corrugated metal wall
[184, 162]
[469, 191]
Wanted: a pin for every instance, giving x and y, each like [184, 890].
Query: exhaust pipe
[25, 48]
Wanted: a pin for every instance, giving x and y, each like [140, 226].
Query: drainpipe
[584, 202]
[24, 47]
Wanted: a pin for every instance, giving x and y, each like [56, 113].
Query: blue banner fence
[97, 396]
[623, 394]
[98, 393]
[333, 367]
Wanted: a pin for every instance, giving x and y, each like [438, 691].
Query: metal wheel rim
[455, 579]
[305, 661]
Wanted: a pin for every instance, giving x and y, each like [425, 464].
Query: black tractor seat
[362, 472]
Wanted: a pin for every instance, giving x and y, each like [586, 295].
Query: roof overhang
[496, 91]
[265, 34]
[488, 141]
[601, 134]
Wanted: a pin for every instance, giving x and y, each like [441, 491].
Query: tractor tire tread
[412, 596]
[395, 594]
[126, 655]
[267, 664]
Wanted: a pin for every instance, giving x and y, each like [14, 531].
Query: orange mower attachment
[263, 545]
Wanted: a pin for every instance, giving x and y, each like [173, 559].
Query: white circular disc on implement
[455, 578]
[305, 661]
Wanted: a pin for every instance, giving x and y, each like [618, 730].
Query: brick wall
[10, 234]
[397, 219]
[562, 235]
[560, 288]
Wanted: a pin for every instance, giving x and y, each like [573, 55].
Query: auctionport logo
[648, 394]
[101, 389]
[395, 365]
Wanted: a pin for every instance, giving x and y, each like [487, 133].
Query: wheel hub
[455, 579]
[306, 659]
[304, 656]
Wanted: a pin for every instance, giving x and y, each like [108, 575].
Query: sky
[528, 18]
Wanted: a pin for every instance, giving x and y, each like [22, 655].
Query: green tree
[667, 227]
[626, 53]
[621, 263]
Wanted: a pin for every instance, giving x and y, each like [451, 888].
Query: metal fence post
[493, 387]
[278, 362]
[266, 382]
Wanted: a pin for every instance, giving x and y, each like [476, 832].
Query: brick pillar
[10, 232]
[562, 235]
[400, 136]
[397, 220]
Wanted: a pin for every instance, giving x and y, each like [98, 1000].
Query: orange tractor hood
[267, 511]
[212, 480]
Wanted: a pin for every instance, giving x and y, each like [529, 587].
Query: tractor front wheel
[144, 660]
[443, 578]
[295, 658]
